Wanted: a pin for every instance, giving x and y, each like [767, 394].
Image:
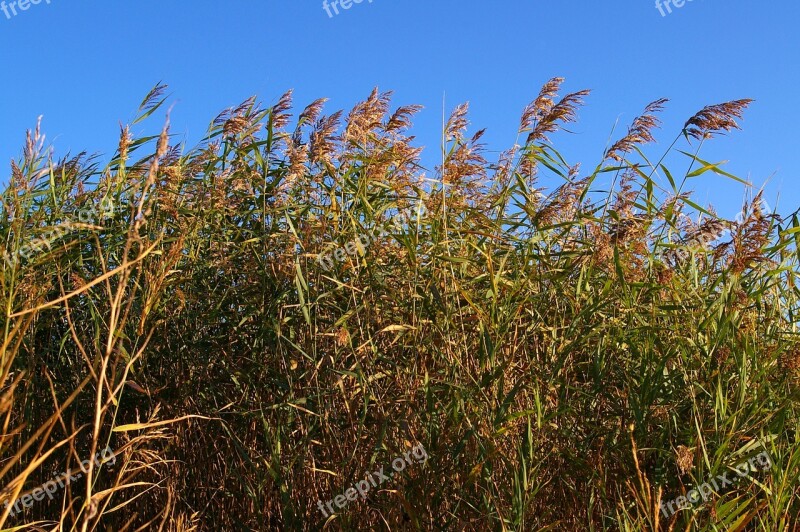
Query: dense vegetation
[570, 358]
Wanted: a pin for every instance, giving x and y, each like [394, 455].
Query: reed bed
[573, 348]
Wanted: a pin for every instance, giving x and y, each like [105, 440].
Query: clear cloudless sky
[85, 65]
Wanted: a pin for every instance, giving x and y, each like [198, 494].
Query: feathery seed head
[715, 119]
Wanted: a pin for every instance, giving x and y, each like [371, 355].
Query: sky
[85, 66]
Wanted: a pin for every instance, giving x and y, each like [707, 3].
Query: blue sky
[86, 65]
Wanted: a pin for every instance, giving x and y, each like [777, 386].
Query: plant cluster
[568, 357]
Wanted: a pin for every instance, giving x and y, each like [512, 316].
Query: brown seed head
[457, 123]
[401, 119]
[541, 106]
[563, 112]
[640, 131]
[714, 119]
[684, 458]
[280, 111]
[366, 116]
[311, 112]
[322, 140]
[124, 142]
